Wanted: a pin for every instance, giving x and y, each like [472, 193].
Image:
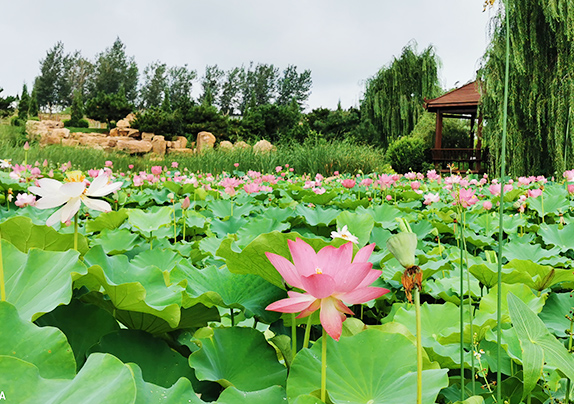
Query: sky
[342, 42]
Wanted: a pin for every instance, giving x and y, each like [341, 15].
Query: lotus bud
[185, 203]
[403, 246]
[26, 146]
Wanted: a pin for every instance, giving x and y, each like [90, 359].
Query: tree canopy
[541, 96]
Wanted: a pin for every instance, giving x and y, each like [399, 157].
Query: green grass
[313, 156]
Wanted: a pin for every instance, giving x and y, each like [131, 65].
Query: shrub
[408, 154]
[17, 121]
[81, 123]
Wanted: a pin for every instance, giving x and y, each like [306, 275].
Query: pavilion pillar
[438, 134]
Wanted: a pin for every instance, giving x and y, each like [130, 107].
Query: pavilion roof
[463, 100]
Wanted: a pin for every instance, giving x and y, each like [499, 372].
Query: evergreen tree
[6, 108]
[231, 91]
[108, 107]
[77, 109]
[393, 99]
[541, 88]
[180, 82]
[211, 85]
[155, 82]
[24, 104]
[33, 110]
[294, 86]
[51, 87]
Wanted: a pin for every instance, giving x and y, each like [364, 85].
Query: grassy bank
[313, 156]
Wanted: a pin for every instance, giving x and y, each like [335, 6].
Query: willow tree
[541, 96]
[394, 97]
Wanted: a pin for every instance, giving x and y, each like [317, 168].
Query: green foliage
[52, 88]
[24, 104]
[274, 122]
[6, 108]
[197, 118]
[335, 125]
[159, 122]
[393, 100]
[294, 86]
[33, 109]
[155, 85]
[108, 107]
[455, 132]
[77, 110]
[407, 154]
[541, 88]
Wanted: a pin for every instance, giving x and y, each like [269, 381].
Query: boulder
[36, 129]
[70, 142]
[134, 146]
[159, 145]
[241, 145]
[126, 122]
[114, 132]
[180, 142]
[226, 145]
[180, 151]
[52, 124]
[205, 140]
[63, 133]
[263, 146]
[147, 136]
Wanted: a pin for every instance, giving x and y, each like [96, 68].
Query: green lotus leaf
[554, 313]
[488, 304]
[273, 394]
[562, 238]
[307, 399]
[318, 215]
[135, 289]
[526, 251]
[540, 277]
[255, 227]
[223, 209]
[553, 201]
[44, 347]
[252, 259]
[117, 241]
[316, 199]
[164, 259]
[358, 224]
[239, 357]
[103, 379]
[195, 219]
[279, 214]
[538, 345]
[163, 368]
[180, 392]
[39, 281]
[226, 289]
[83, 325]
[385, 215]
[231, 226]
[372, 366]
[210, 245]
[22, 233]
[107, 220]
[151, 220]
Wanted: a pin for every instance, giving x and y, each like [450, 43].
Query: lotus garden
[171, 286]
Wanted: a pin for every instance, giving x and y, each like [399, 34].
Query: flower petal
[304, 257]
[372, 276]
[96, 204]
[352, 276]
[48, 202]
[286, 269]
[362, 295]
[316, 305]
[46, 187]
[54, 218]
[333, 260]
[105, 189]
[68, 211]
[331, 318]
[73, 189]
[296, 302]
[364, 253]
[319, 285]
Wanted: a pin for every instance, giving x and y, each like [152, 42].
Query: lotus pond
[177, 287]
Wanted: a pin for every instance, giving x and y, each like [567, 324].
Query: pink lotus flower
[108, 163]
[533, 193]
[466, 197]
[156, 170]
[330, 278]
[23, 200]
[430, 198]
[348, 183]
[487, 205]
[569, 175]
[571, 189]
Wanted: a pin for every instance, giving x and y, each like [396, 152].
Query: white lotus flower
[71, 194]
[345, 234]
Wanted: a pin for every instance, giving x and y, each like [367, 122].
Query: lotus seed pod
[403, 246]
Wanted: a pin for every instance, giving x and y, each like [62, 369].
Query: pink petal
[364, 253]
[372, 276]
[362, 295]
[293, 304]
[304, 257]
[316, 305]
[332, 260]
[331, 318]
[286, 269]
[350, 278]
[319, 285]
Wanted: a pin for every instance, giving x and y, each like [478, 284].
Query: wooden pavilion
[461, 103]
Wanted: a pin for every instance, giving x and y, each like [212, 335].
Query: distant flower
[432, 175]
[156, 170]
[411, 175]
[366, 182]
[278, 168]
[23, 200]
[319, 191]
[348, 183]
[6, 163]
[569, 175]
[236, 165]
[251, 188]
[186, 203]
[26, 146]
[533, 193]
[330, 278]
[389, 198]
[345, 234]
[431, 198]
[71, 194]
[487, 205]
[571, 189]
[109, 163]
[131, 166]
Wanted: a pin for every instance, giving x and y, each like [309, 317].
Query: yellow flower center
[74, 176]
[318, 271]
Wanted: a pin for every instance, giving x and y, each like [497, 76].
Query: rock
[36, 130]
[52, 124]
[147, 136]
[134, 146]
[70, 142]
[133, 133]
[180, 142]
[241, 145]
[159, 145]
[180, 151]
[226, 145]
[90, 140]
[205, 140]
[49, 139]
[125, 123]
[114, 132]
[263, 146]
[63, 133]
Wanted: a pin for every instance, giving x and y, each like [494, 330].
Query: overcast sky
[342, 42]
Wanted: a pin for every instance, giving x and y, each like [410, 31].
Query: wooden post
[438, 136]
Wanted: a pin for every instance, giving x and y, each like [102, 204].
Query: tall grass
[313, 156]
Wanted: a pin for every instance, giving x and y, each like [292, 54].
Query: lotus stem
[232, 315]
[419, 347]
[501, 211]
[2, 285]
[569, 383]
[324, 366]
[184, 214]
[461, 307]
[76, 231]
[470, 311]
[293, 334]
[307, 333]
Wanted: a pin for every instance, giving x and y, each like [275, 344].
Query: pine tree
[33, 110]
[24, 104]
[77, 109]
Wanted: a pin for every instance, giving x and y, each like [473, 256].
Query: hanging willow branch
[394, 97]
[542, 87]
